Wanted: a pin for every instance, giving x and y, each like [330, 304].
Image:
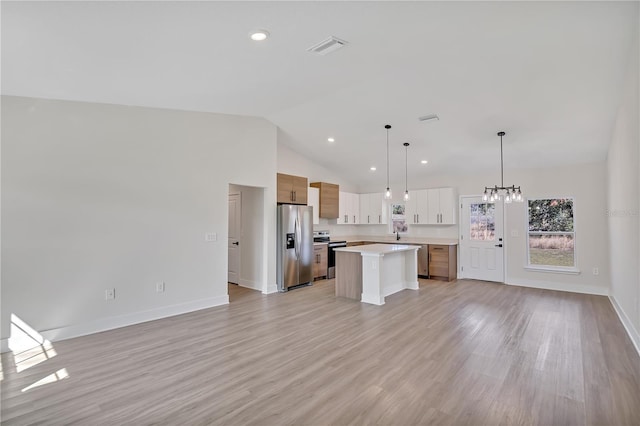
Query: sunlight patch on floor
[51, 378]
[28, 346]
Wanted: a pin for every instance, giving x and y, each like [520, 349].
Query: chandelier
[498, 193]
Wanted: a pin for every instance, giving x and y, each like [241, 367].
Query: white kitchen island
[371, 272]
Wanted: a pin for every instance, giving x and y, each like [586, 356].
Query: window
[483, 222]
[551, 236]
[398, 218]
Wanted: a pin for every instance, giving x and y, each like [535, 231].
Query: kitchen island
[371, 272]
[437, 257]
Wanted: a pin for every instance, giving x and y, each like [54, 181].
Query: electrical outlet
[515, 233]
[596, 271]
[210, 237]
[160, 287]
[110, 294]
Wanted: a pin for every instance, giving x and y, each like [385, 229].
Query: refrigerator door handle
[298, 238]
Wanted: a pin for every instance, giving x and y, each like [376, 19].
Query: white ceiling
[549, 74]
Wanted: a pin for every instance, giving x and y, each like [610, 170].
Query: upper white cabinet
[442, 203]
[348, 208]
[313, 199]
[436, 206]
[373, 209]
[417, 208]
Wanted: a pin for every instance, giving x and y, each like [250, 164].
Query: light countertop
[403, 239]
[377, 248]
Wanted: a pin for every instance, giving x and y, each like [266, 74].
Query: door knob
[236, 243]
[498, 245]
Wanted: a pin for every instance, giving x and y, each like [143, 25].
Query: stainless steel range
[325, 237]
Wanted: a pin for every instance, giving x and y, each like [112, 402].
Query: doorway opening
[245, 261]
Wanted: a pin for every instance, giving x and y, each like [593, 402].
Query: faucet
[397, 235]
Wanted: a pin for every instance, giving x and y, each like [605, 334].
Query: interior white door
[235, 229]
[481, 239]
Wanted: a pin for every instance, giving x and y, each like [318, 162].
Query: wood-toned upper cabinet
[329, 199]
[292, 189]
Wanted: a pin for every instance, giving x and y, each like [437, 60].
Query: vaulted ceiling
[550, 74]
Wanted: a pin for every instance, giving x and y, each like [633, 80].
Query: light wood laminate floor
[450, 353]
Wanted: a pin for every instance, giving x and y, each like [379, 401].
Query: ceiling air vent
[327, 46]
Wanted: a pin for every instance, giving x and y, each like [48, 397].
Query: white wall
[623, 203]
[101, 196]
[251, 236]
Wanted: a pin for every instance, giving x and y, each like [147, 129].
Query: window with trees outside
[551, 236]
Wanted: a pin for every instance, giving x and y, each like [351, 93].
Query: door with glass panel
[481, 239]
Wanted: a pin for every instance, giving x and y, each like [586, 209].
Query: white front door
[234, 238]
[481, 239]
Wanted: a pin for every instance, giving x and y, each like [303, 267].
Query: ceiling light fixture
[510, 193]
[387, 193]
[331, 140]
[406, 172]
[424, 161]
[259, 35]
[373, 169]
[430, 117]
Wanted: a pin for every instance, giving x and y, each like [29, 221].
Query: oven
[324, 237]
[331, 261]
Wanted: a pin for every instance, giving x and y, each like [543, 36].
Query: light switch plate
[515, 233]
[210, 237]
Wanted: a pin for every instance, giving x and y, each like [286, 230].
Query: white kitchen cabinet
[442, 206]
[373, 209]
[348, 208]
[313, 200]
[417, 208]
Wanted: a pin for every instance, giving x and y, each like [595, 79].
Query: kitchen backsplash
[435, 231]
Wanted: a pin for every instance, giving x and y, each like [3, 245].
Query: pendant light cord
[501, 164]
[406, 167]
[387, 127]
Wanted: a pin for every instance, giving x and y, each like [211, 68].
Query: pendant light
[387, 194]
[497, 193]
[406, 172]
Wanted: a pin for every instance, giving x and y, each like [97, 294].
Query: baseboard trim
[105, 324]
[571, 288]
[626, 322]
[272, 288]
[250, 284]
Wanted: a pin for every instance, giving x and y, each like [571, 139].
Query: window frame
[551, 268]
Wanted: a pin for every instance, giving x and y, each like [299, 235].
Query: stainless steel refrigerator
[295, 246]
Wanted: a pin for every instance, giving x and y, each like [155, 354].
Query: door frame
[239, 238]
[504, 238]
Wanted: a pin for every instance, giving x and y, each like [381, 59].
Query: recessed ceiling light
[259, 35]
[373, 169]
[424, 161]
[331, 140]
